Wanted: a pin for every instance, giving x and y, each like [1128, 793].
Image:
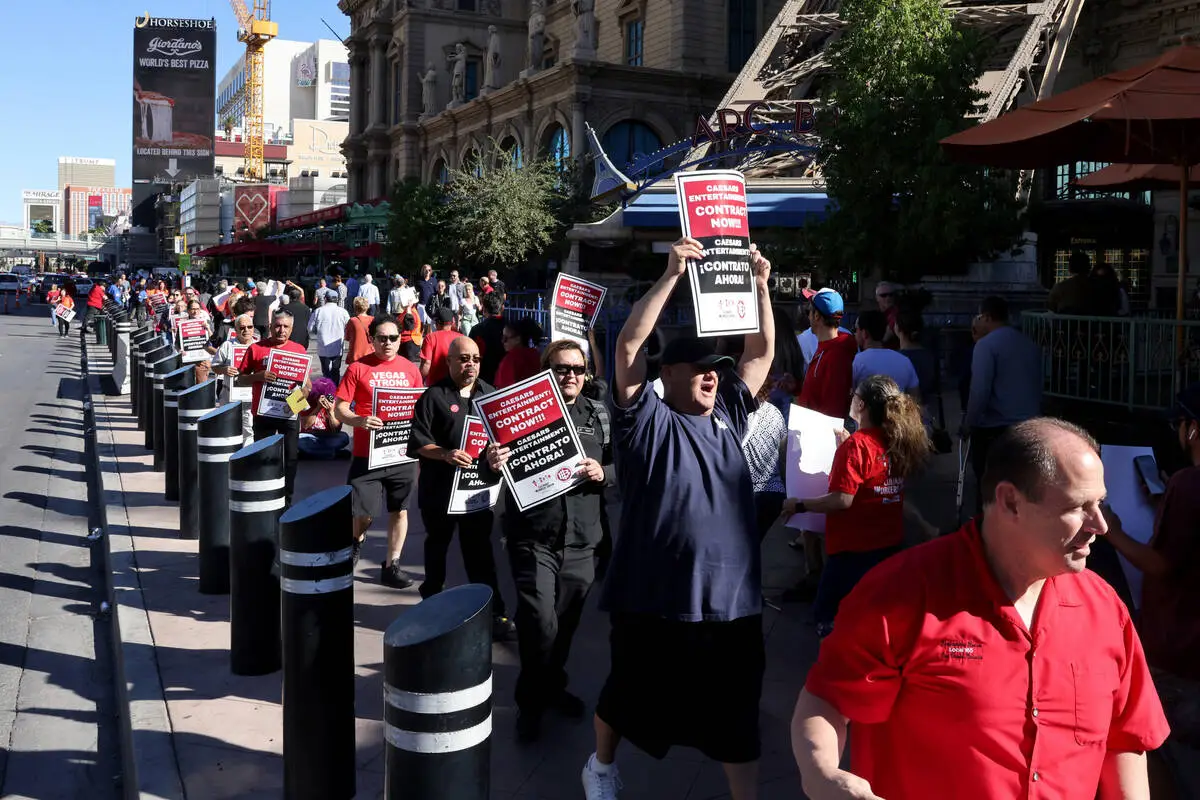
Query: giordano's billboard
[174, 98]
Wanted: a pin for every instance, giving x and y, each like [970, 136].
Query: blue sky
[68, 77]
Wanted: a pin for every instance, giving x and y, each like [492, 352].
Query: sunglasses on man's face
[383, 338]
[469, 359]
[563, 370]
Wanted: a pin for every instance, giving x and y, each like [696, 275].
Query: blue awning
[767, 210]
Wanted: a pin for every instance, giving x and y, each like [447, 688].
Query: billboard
[95, 212]
[174, 102]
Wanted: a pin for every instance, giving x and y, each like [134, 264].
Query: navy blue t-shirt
[687, 548]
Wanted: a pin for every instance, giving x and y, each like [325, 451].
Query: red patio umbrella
[1149, 114]
[1136, 178]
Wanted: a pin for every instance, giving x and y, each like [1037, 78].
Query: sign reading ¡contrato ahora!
[475, 488]
[574, 306]
[389, 444]
[713, 210]
[530, 419]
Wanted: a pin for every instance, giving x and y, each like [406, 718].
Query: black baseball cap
[693, 350]
[445, 315]
[1187, 405]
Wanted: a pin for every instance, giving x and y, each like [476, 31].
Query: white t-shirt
[881, 361]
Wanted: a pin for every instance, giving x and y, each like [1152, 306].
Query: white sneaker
[599, 785]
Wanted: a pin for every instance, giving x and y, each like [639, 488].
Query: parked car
[9, 283]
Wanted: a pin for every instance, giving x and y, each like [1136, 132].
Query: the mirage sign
[174, 94]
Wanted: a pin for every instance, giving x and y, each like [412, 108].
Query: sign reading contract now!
[530, 419]
[389, 444]
[290, 371]
[475, 488]
[713, 210]
[193, 339]
[574, 307]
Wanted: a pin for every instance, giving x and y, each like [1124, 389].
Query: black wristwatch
[801, 508]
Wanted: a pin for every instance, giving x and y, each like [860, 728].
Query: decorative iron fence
[1134, 362]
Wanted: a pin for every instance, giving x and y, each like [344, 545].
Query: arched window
[512, 148]
[559, 148]
[441, 173]
[473, 163]
[628, 141]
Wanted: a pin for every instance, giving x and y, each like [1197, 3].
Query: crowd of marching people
[929, 649]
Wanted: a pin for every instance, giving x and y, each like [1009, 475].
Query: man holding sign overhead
[383, 388]
[684, 589]
[277, 369]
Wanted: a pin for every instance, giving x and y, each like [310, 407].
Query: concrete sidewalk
[199, 731]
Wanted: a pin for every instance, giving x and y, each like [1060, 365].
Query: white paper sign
[1128, 498]
[811, 443]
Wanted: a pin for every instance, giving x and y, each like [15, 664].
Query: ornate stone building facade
[433, 81]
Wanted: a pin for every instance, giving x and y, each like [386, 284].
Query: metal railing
[1134, 362]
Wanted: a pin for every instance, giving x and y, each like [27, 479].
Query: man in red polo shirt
[437, 346]
[989, 664]
[253, 372]
[384, 369]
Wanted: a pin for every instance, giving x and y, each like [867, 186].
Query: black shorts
[394, 483]
[693, 684]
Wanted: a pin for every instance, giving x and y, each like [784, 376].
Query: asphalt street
[58, 724]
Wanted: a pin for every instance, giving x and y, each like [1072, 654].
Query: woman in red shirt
[864, 507]
[358, 340]
[522, 359]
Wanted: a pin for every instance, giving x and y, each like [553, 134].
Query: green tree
[905, 80]
[503, 213]
[43, 226]
[417, 226]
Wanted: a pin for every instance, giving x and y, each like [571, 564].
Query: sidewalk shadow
[48, 432]
[55, 453]
[34, 534]
[53, 473]
[62, 505]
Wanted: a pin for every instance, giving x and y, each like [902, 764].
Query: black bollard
[219, 436]
[137, 339]
[194, 403]
[162, 368]
[317, 580]
[146, 350]
[146, 406]
[173, 383]
[256, 500]
[437, 694]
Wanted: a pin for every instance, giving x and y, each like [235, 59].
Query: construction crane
[254, 31]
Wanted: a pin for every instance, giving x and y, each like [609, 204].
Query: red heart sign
[252, 210]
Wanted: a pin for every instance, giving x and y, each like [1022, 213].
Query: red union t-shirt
[360, 381]
[876, 517]
[434, 350]
[828, 381]
[255, 360]
[951, 696]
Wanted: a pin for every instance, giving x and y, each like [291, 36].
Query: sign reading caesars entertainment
[174, 98]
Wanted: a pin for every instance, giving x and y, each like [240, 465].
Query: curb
[149, 764]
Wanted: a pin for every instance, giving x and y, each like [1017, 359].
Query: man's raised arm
[759, 351]
[629, 368]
